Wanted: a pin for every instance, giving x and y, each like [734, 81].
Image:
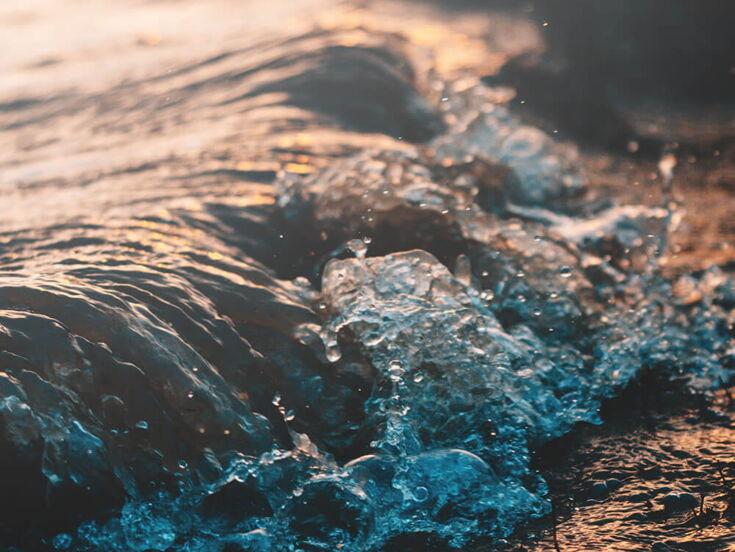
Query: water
[335, 298]
[655, 478]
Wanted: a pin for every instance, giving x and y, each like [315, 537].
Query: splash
[296, 366]
[544, 317]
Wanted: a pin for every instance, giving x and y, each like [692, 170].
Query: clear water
[359, 334]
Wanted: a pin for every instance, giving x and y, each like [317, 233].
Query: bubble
[142, 424]
[421, 494]
[565, 271]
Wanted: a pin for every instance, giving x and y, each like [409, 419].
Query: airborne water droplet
[62, 541]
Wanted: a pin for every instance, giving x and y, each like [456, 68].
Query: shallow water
[335, 294]
[654, 477]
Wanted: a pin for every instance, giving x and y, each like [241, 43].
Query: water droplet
[421, 494]
[395, 370]
[463, 269]
[487, 295]
[565, 271]
[276, 399]
[142, 424]
[332, 351]
[358, 247]
[62, 541]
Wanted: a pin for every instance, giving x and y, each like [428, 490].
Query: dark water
[346, 318]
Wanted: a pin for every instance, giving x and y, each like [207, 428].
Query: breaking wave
[356, 346]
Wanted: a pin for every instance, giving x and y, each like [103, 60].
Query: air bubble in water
[421, 494]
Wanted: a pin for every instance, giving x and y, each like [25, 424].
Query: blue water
[470, 369]
[359, 348]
